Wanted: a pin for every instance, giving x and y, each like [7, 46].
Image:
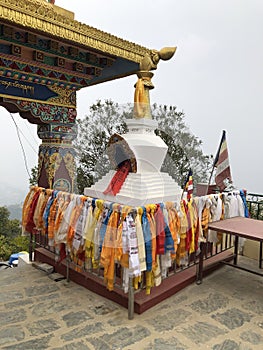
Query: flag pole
[216, 159]
[210, 178]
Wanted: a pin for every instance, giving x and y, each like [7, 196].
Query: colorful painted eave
[46, 18]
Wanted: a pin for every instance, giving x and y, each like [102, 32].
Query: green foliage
[105, 119]
[10, 246]
[5, 249]
[184, 149]
[256, 209]
[94, 132]
[8, 228]
[14, 228]
[33, 180]
[20, 243]
[11, 240]
[4, 221]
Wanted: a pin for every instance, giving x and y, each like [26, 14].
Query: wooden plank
[243, 227]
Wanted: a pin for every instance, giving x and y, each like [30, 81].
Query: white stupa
[145, 151]
[145, 184]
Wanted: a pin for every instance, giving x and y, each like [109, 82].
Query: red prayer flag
[118, 179]
[221, 163]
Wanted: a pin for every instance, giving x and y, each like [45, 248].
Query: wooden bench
[238, 227]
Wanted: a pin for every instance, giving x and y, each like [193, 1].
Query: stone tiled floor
[224, 313]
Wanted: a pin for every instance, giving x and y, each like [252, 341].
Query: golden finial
[142, 108]
[150, 61]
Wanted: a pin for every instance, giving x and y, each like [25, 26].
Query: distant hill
[15, 211]
[11, 195]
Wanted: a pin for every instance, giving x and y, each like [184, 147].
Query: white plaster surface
[149, 184]
[139, 189]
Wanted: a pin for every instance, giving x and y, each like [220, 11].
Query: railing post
[31, 248]
[199, 277]
[131, 300]
[260, 254]
[67, 265]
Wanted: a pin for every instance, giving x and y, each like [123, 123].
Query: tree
[94, 132]
[184, 149]
[4, 220]
[11, 240]
[105, 119]
[33, 180]
[8, 228]
[5, 250]
[9, 246]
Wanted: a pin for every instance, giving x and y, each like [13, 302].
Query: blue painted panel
[121, 67]
[30, 91]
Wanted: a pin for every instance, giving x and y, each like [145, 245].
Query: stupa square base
[139, 189]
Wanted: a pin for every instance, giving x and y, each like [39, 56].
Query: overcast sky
[215, 77]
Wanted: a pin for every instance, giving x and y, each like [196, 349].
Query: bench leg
[260, 254]
[236, 250]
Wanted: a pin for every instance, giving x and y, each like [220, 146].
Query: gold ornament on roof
[142, 107]
[150, 60]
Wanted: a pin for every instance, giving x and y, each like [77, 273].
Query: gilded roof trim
[46, 18]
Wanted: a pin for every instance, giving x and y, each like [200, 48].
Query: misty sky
[215, 77]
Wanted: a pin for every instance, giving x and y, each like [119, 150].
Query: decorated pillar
[56, 158]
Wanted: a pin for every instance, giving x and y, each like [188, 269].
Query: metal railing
[255, 205]
[225, 242]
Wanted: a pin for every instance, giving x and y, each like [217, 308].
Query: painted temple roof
[48, 42]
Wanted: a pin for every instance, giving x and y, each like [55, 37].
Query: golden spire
[142, 106]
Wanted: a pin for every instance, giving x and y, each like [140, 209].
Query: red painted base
[142, 302]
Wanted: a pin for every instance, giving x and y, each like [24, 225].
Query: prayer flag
[118, 179]
[188, 187]
[221, 163]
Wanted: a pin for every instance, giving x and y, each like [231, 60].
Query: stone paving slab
[223, 313]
